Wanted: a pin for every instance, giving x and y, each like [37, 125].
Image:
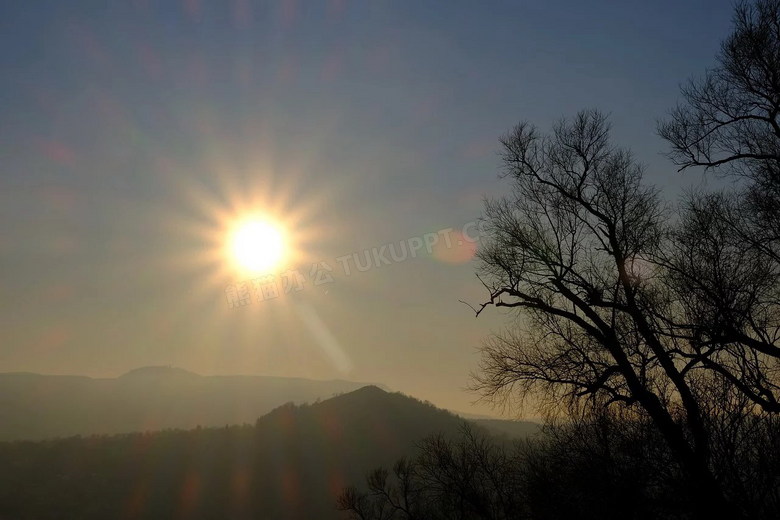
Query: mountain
[34, 406]
[291, 464]
[509, 429]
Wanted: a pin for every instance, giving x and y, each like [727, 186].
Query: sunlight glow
[257, 245]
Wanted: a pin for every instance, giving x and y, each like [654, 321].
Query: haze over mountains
[34, 406]
[37, 407]
[291, 463]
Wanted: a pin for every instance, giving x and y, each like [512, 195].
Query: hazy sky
[132, 136]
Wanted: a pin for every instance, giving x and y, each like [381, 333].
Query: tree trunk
[705, 492]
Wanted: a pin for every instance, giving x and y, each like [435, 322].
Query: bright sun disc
[257, 245]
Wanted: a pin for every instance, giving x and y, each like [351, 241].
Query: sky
[135, 135]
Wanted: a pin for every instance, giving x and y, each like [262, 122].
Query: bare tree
[464, 479]
[724, 260]
[730, 117]
[676, 318]
[725, 291]
[601, 464]
[389, 497]
[573, 248]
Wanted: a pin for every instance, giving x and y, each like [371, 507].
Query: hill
[290, 464]
[34, 406]
[509, 429]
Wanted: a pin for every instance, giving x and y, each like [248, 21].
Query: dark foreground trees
[666, 316]
[470, 477]
[597, 466]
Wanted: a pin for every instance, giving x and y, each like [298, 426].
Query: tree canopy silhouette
[624, 301]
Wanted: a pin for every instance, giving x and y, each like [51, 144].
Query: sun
[257, 245]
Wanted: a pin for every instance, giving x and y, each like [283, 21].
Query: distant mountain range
[289, 464]
[34, 406]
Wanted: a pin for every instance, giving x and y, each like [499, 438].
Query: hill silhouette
[291, 463]
[509, 429]
[158, 371]
[34, 406]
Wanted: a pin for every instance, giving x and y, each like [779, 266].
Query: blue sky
[128, 131]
